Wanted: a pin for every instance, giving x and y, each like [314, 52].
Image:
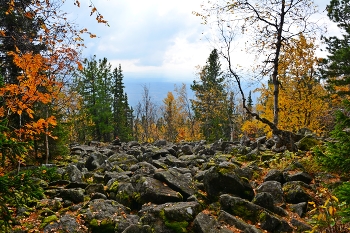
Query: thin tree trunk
[47, 139]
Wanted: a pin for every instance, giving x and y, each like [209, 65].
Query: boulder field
[165, 187]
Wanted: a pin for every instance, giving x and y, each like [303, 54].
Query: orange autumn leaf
[80, 66]
[93, 10]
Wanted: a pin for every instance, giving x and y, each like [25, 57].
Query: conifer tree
[21, 32]
[250, 104]
[209, 106]
[337, 68]
[122, 114]
[94, 85]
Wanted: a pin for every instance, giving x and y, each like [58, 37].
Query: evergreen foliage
[21, 190]
[337, 69]
[94, 85]
[10, 149]
[336, 156]
[105, 111]
[210, 106]
[122, 113]
[343, 193]
[21, 32]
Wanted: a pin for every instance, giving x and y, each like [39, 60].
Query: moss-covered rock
[48, 220]
[177, 227]
[105, 226]
[296, 192]
[114, 187]
[240, 207]
[227, 178]
[307, 143]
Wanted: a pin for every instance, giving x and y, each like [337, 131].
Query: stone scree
[166, 188]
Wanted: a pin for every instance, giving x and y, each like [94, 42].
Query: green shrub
[343, 194]
[336, 155]
[21, 190]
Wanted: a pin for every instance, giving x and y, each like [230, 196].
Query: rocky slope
[244, 186]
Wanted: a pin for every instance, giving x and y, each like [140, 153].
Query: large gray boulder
[296, 192]
[76, 195]
[73, 174]
[226, 178]
[148, 189]
[254, 213]
[177, 181]
[95, 160]
[237, 222]
[107, 216]
[169, 217]
[123, 160]
[205, 223]
[66, 223]
[274, 188]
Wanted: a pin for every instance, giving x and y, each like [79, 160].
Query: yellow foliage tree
[178, 123]
[302, 102]
[190, 129]
[34, 86]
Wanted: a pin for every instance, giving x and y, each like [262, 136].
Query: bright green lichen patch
[177, 227]
[114, 187]
[105, 226]
[48, 220]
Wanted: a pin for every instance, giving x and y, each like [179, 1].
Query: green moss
[162, 214]
[75, 161]
[256, 175]
[224, 171]
[105, 226]
[242, 211]
[266, 156]
[46, 212]
[137, 197]
[177, 227]
[211, 164]
[307, 143]
[122, 195]
[94, 223]
[262, 216]
[114, 187]
[48, 220]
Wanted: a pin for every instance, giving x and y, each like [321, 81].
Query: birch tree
[267, 26]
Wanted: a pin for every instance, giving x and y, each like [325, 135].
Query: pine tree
[250, 104]
[209, 106]
[94, 85]
[122, 114]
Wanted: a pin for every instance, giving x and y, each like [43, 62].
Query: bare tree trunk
[47, 139]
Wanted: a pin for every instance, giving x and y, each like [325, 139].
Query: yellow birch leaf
[330, 210]
[335, 198]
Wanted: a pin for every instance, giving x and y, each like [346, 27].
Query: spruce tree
[210, 106]
[249, 105]
[122, 114]
[94, 85]
[337, 68]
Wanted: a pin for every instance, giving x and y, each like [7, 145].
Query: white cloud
[148, 37]
[154, 38]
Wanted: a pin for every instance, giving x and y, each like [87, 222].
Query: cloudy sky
[157, 42]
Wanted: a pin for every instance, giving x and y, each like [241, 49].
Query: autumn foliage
[302, 95]
[34, 86]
